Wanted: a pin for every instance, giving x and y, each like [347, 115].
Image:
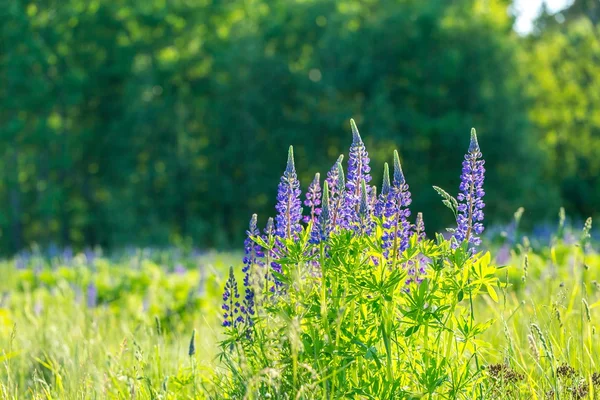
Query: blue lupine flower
[253, 255]
[470, 208]
[322, 227]
[313, 199]
[420, 227]
[365, 223]
[336, 200]
[332, 179]
[289, 206]
[396, 226]
[385, 190]
[373, 198]
[92, 295]
[269, 232]
[358, 170]
[231, 302]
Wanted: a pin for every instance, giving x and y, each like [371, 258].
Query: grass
[131, 340]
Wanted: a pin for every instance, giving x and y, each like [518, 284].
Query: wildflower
[470, 214]
[253, 254]
[364, 211]
[396, 226]
[231, 303]
[385, 190]
[358, 170]
[336, 198]
[92, 295]
[289, 206]
[313, 199]
[420, 227]
[332, 178]
[321, 228]
[373, 198]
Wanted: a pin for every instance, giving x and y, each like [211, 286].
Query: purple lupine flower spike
[364, 211]
[385, 190]
[373, 198]
[253, 255]
[396, 226]
[470, 208]
[420, 227]
[313, 199]
[332, 179]
[322, 227]
[289, 206]
[336, 201]
[92, 295]
[358, 169]
[231, 303]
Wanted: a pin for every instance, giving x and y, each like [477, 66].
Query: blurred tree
[152, 122]
[563, 59]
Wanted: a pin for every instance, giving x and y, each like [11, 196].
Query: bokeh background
[166, 122]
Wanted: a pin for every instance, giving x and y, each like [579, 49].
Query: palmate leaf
[448, 200]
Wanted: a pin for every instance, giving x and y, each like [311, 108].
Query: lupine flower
[364, 225]
[92, 295]
[358, 170]
[253, 254]
[415, 269]
[396, 226]
[332, 180]
[373, 198]
[179, 269]
[385, 190]
[336, 202]
[420, 227]
[289, 206]
[470, 208]
[322, 227]
[231, 302]
[313, 199]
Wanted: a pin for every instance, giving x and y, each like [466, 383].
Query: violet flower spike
[231, 303]
[322, 227]
[358, 169]
[313, 199]
[332, 180]
[396, 226]
[364, 212]
[253, 255]
[470, 208]
[289, 206]
[420, 227]
[336, 201]
[385, 190]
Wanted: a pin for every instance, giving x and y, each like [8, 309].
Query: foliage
[356, 329]
[164, 117]
[117, 342]
[563, 60]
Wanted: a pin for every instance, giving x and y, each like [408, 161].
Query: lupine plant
[352, 300]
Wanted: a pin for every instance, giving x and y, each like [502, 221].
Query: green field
[131, 338]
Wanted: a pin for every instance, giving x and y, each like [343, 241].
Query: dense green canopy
[154, 122]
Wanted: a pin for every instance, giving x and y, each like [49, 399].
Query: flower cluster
[396, 213]
[253, 255]
[470, 208]
[232, 316]
[289, 206]
[313, 199]
[385, 191]
[347, 206]
[358, 171]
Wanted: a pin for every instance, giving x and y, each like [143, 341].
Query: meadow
[366, 307]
